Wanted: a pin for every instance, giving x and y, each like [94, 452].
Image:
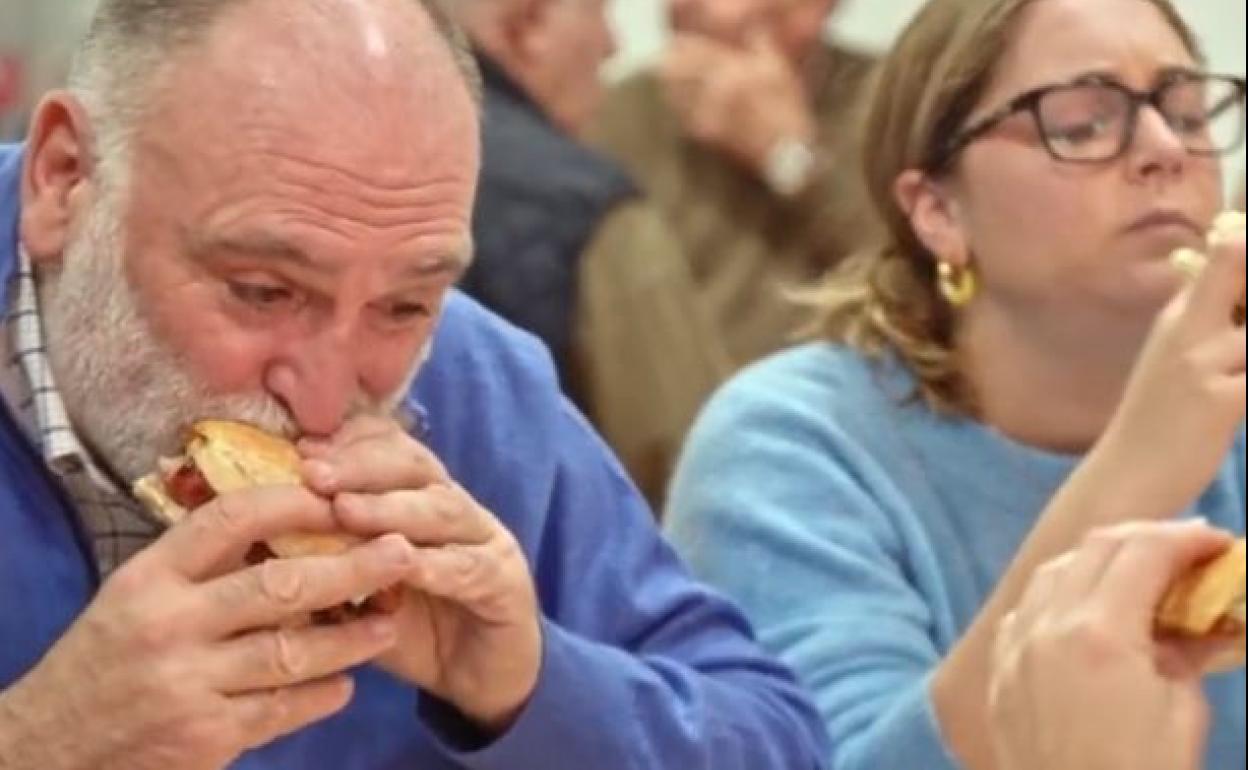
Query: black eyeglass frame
[1029, 101]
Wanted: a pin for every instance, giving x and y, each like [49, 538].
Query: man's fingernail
[396, 551]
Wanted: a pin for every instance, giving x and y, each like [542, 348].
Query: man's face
[795, 25]
[569, 42]
[288, 240]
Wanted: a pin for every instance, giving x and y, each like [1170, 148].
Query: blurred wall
[36, 40]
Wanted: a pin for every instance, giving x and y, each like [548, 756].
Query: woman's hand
[1185, 402]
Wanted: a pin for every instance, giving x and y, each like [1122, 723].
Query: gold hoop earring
[958, 285]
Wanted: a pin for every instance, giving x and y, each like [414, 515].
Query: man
[743, 138]
[1080, 679]
[255, 210]
[566, 249]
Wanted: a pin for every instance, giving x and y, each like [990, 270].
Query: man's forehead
[365, 52]
[385, 115]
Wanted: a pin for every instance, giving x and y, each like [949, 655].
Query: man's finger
[381, 464]
[1197, 658]
[277, 590]
[1085, 566]
[473, 576]
[362, 427]
[1150, 560]
[439, 514]
[287, 656]
[217, 536]
[264, 716]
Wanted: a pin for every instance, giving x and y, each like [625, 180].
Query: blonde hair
[884, 300]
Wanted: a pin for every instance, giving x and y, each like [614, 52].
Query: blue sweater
[863, 533]
[644, 669]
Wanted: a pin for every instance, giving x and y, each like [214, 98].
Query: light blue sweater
[862, 533]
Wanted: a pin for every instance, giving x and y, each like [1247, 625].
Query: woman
[1015, 366]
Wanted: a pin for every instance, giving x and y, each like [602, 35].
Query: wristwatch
[789, 166]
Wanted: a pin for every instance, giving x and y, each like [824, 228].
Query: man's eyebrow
[453, 263]
[257, 244]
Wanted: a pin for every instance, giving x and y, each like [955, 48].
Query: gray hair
[128, 41]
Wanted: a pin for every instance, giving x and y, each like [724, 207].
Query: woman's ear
[934, 216]
[56, 175]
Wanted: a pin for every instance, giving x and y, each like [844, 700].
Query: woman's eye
[1079, 133]
[263, 296]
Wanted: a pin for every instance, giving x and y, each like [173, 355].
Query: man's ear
[56, 176]
[524, 27]
[934, 216]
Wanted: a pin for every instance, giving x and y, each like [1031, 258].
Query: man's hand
[1081, 681]
[741, 101]
[469, 629]
[181, 660]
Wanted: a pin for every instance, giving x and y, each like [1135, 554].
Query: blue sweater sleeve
[777, 506]
[644, 668]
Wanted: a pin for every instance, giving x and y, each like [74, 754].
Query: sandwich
[1191, 262]
[1207, 603]
[222, 457]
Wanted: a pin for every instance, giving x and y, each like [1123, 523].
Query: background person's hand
[179, 662]
[1185, 402]
[1080, 680]
[469, 626]
[741, 101]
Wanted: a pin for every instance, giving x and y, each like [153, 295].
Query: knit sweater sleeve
[776, 505]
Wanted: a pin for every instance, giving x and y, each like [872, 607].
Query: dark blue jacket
[542, 197]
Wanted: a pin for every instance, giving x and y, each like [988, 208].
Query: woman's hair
[884, 300]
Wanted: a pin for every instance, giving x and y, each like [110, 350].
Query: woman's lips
[1167, 220]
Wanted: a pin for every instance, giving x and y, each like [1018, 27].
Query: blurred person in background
[565, 246]
[743, 136]
[1015, 364]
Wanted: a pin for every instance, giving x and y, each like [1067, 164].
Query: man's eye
[402, 312]
[263, 296]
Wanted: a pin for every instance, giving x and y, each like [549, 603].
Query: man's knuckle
[444, 505]
[284, 656]
[236, 590]
[1096, 638]
[282, 582]
[149, 632]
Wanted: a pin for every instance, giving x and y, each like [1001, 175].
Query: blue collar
[11, 157]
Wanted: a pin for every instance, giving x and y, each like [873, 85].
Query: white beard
[128, 395]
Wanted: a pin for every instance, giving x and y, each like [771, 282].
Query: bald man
[256, 210]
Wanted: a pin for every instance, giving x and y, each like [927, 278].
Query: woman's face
[1050, 236]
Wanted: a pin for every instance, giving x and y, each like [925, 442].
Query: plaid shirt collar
[28, 386]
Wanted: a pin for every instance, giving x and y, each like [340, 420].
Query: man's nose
[316, 379]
